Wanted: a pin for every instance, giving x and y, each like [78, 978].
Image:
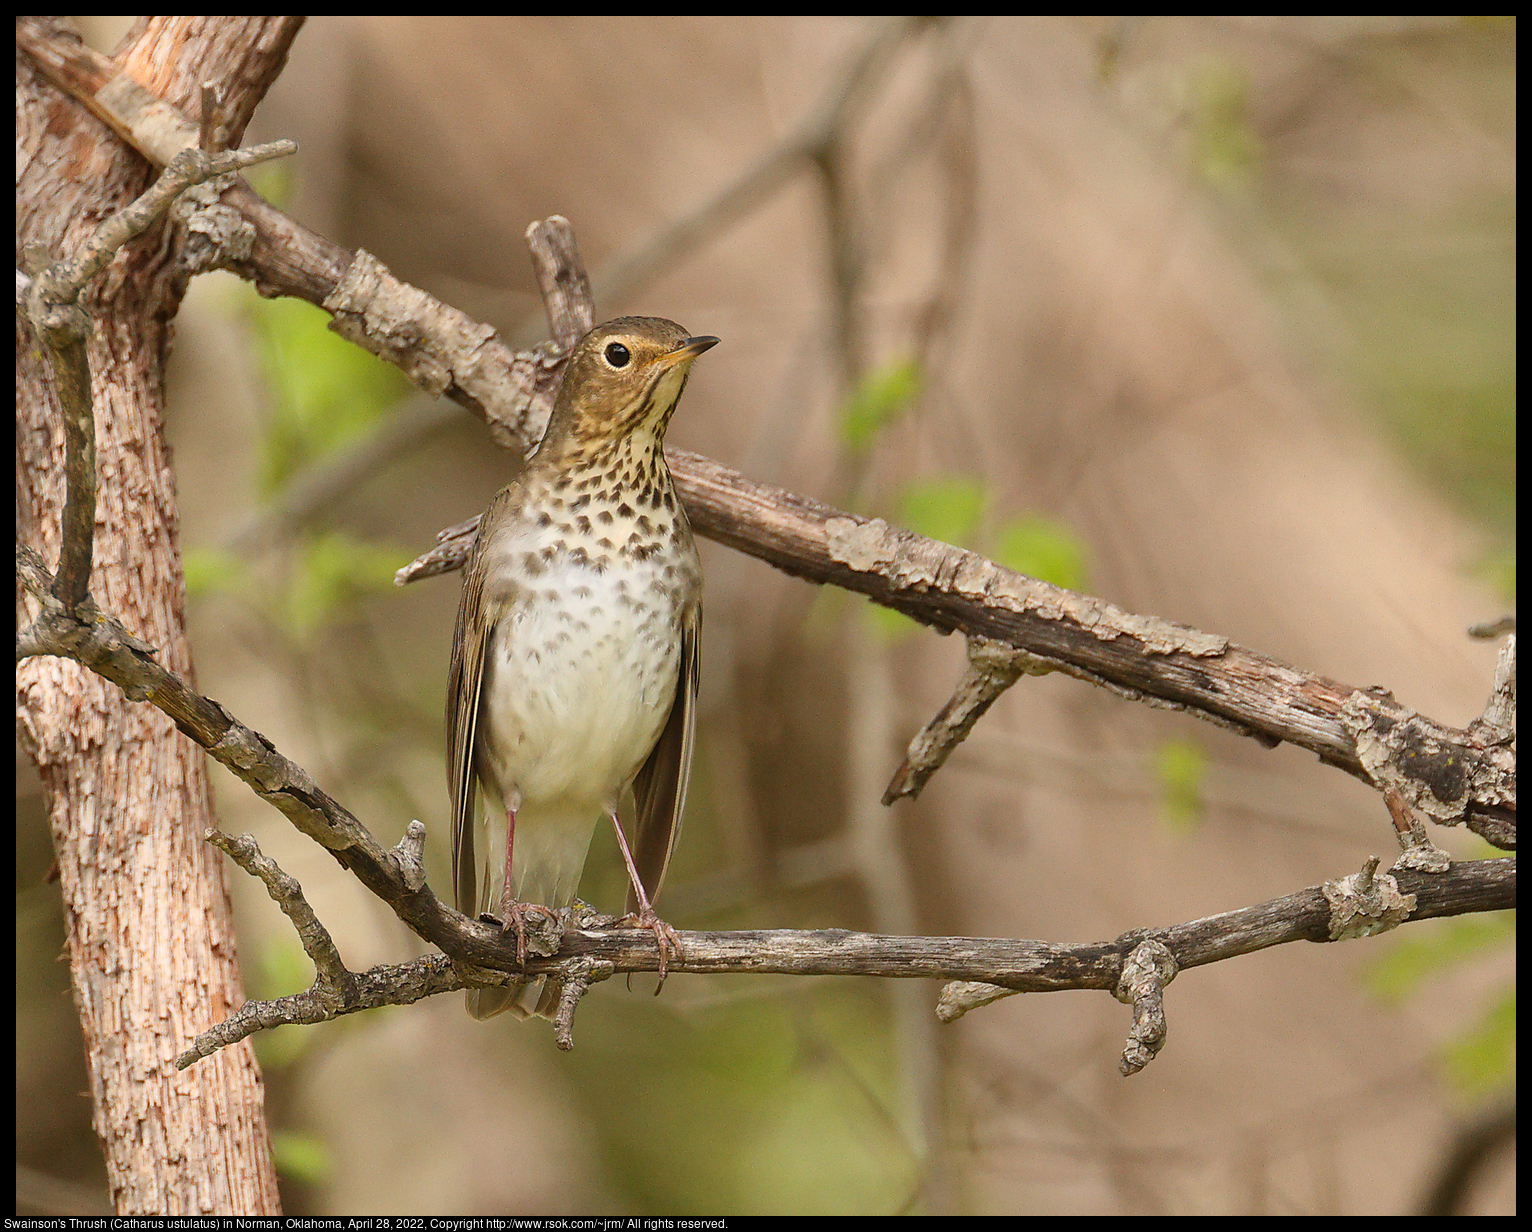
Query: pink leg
[512, 913]
[664, 935]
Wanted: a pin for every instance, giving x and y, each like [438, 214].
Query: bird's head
[624, 377]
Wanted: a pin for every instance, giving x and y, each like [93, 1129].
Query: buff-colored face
[626, 376]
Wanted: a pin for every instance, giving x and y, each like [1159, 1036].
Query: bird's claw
[513, 915]
[665, 937]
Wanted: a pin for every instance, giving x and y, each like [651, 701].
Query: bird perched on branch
[574, 662]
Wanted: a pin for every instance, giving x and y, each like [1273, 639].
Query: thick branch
[1458, 777]
[1452, 775]
[101, 643]
[397, 877]
[1155, 661]
[1134, 967]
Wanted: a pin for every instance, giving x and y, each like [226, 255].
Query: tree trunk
[150, 932]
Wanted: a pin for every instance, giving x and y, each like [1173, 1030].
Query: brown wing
[465, 676]
[659, 789]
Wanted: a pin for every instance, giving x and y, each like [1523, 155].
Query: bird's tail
[548, 857]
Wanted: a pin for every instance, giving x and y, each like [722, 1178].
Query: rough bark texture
[151, 941]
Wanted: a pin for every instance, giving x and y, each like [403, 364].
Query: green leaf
[1227, 152]
[334, 570]
[1484, 1057]
[324, 391]
[882, 395]
[1181, 767]
[1424, 952]
[210, 570]
[301, 1157]
[944, 508]
[1043, 549]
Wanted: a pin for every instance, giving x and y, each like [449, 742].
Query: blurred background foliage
[1388, 262]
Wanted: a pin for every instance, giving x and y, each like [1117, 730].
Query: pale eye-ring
[617, 355]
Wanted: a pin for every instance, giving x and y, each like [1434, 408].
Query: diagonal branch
[625, 274]
[1456, 776]
[482, 953]
[1453, 775]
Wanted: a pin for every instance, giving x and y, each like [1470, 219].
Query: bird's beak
[690, 349]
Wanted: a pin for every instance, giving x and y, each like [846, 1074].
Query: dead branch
[1455, 776]
[483, 953]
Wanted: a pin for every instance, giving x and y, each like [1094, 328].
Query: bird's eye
[617, 355]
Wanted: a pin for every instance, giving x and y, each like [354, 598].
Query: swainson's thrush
[574, 662]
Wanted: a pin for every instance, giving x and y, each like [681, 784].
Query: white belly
[577, 686]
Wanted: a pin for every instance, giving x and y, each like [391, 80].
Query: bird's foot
[518, 916]
[665, 936]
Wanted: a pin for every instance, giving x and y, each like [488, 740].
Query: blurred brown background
[1213, 314]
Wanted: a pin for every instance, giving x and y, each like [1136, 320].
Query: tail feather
[538, 998]
[547, 860]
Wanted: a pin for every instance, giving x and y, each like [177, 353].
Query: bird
[574, 664]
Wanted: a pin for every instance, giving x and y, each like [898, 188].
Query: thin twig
[62, 282]
[993, 667]
[330, 972]
[754, 186]
[207, 120]
[1498, 722]
[388, 984]
[567, 299]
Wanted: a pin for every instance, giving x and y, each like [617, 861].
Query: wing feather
[659, 789]
[465, 678]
